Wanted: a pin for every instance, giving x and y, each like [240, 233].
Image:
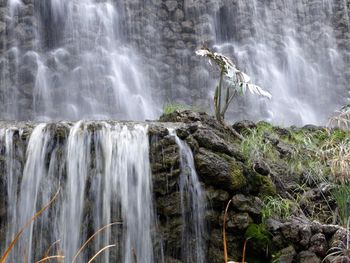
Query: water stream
[193, 205]
[75, 65]
[288, 47]
[103, 171]
[90, 60]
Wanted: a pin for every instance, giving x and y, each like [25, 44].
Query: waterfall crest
[104, 174]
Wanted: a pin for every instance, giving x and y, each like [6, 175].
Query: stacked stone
[167, 33]
[18, 63]
[341, 22]
[302, 241]
[3, 4]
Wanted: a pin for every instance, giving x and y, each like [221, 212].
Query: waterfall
[109, 59]
[75, 64]
[192, 206]
[290, 48]
[103, 171]
[13, 171]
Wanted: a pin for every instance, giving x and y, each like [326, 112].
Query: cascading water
[193, 204]
[288, 47]
[76, 65]
[13, 168]
[104, 174]
[77, 59]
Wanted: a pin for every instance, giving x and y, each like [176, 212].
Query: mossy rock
[237, 176]
[258, 234]
[220, 172]
[263, 186]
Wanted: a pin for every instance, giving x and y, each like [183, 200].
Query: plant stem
[224, 232]
[218, 109]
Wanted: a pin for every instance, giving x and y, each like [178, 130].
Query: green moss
[238, 179]
[263, 186]
[258, 234]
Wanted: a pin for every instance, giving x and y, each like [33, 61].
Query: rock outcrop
[262, 168]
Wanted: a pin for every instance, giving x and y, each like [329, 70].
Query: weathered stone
[249, 204]
[169, 205]
[308, 257]
[187, 26]
[290, 231]
[286, 255]
[208, 139]
[318, 244]
[261, 167]
[273, 225]
[216, 197]
[239, 221]
[243, 126]
[219, 172]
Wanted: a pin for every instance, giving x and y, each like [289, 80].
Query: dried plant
[91, 238]
[335, 254]
[50, 247]
[337, 156]
[224, 232]
[99, 252]
[341, 119]
[83, 246]
[244, 250]
[50, 257]
[26, 225]
[46, 256]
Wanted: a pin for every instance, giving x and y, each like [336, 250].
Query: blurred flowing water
[289, 48]
[103, 172]
[75, 59]
[193, 203]
[77, 65]
[108, 59]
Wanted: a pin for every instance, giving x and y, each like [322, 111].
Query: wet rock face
[165, 33]
[225, 174]
[224, 171]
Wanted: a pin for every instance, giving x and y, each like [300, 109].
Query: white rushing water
[289, 48]
[12, 169]
[109, 59]
[104, 174]
[77, 64]
[193, 203]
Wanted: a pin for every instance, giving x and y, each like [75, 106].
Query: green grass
[172, 107]
[341, 194]
[255, 147]
[277, 208]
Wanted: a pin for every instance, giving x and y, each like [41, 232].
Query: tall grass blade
[19, 234]
[224, 232]
[50, 247]
[50, 257]
[244, 250]
[99, 252]
[91, 238]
